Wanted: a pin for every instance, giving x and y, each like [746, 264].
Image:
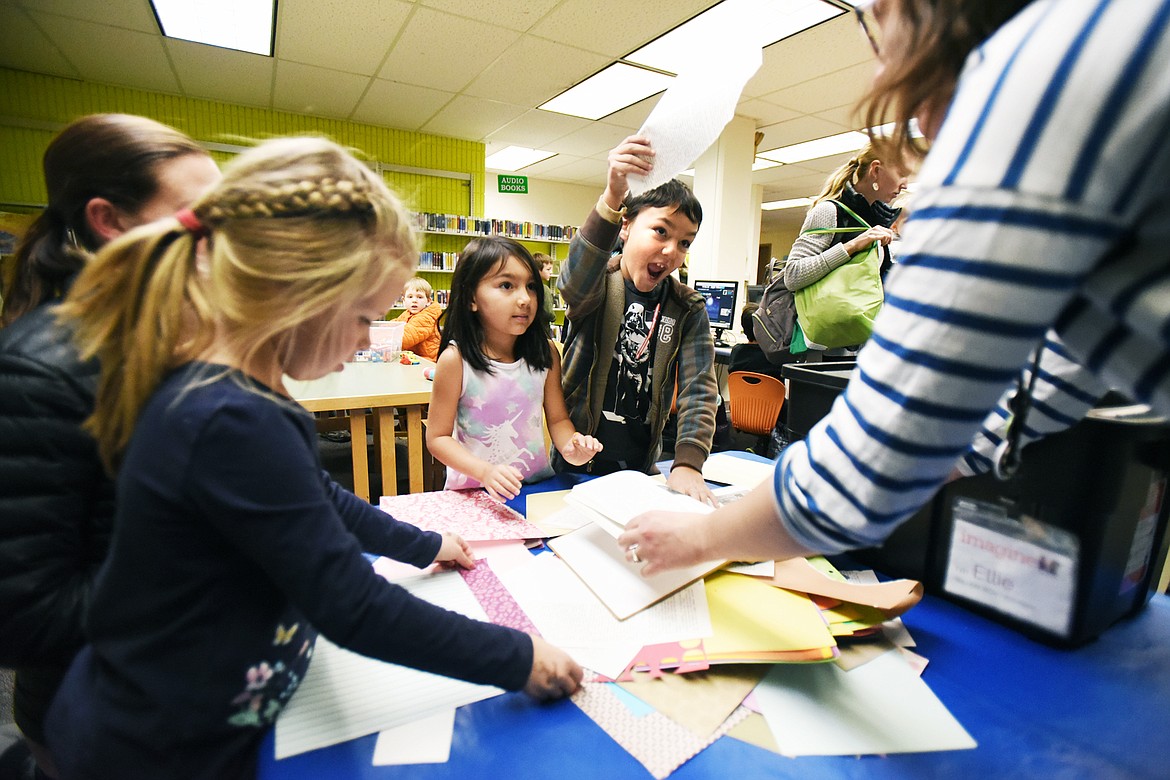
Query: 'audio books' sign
[513, 184]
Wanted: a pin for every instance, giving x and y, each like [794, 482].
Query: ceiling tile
[592, 140]
[472, 118]
[220, 74]
[405, 106]
[616, 27]
[765, 113]
[111, 55]
[442, 51]
[804, 128]
[831, 45]
[831, 90]
[580, 170]
[544, 168]
[633, 117]
[505, 13]
[535, 129]
[358, 33]
[541, 66]
[128, 14]
[25, 47]
[304, 89]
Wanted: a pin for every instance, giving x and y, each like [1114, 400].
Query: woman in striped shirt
[1041, 217]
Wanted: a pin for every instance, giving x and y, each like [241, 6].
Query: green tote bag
[838, 309]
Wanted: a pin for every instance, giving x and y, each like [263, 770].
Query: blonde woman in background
[866, 185]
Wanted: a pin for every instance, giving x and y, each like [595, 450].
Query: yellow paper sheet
[749, 615]
[541, 508]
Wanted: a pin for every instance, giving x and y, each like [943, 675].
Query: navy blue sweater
[231, 549]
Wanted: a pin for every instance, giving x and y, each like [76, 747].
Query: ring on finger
[632, 551]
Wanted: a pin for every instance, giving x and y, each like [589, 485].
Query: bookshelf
[445, 235]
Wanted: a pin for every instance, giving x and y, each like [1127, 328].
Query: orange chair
[755, 401]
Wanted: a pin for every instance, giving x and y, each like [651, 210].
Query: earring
[875, 187]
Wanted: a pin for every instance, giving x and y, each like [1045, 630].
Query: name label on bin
[1020, 567]
[513, 184]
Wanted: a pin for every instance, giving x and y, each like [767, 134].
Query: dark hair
[921, 74]
[111, 156]
[672, 193]
[745, 320]
[461, 325]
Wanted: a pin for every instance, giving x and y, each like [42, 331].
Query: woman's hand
[666, 540]
[881, 235]
[580, 449]
[554, 673]
[455, 551]
[502, 482]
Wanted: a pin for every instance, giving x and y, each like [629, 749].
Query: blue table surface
[1098, 711]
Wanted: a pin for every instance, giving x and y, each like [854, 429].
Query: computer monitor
[720, 297]
[754, 292]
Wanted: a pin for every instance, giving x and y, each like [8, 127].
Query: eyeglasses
[869, 26]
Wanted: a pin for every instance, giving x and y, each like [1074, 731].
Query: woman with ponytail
[105, 174]
[865, 185]
[232, 547]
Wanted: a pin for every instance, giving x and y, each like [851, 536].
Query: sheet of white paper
[597, 559]
[501, 555]
[730, 470]
[591, 516]
[760, 569]
[693, 112]
[609, 661]
[424, 741]
[568, 614]
[345, 695]
[624, 495]
[877, 708]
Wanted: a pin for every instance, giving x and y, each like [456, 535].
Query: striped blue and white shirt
[1042, 213]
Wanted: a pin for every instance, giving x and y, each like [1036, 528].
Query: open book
[594, 555]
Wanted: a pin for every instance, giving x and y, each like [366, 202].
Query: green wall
[33, 107]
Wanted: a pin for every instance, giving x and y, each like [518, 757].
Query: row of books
[441, 297]
[461, 224]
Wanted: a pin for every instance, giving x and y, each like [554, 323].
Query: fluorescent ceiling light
[751, 22]
[819, 147]
[791, 203]
[513, 158]
[612, 89]
[244, 25]
[760, 164]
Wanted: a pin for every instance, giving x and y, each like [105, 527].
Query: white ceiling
[471, 69]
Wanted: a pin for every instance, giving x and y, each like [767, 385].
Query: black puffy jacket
[56, 503]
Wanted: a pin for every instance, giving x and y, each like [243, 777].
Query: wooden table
[382, 387]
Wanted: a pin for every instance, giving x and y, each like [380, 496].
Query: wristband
[608, 214]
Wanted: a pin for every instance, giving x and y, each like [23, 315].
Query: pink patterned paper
[472, 514]
[656, 741]
[497, 602]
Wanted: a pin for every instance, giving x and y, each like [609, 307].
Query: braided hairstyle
[297, 231]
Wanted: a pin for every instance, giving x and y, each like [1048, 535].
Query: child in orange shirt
[422, 319]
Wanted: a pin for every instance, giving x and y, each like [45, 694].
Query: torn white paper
[693, 112]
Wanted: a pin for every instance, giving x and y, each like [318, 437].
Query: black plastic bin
[1073, 543]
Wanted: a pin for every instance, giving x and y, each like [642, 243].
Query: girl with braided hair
[232, 548]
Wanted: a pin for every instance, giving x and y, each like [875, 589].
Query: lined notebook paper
[345, 695]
